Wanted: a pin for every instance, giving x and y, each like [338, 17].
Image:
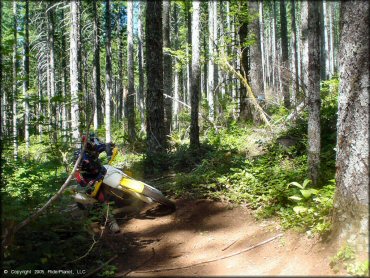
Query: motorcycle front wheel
[157, 196]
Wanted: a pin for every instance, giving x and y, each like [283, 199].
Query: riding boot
[112, 224]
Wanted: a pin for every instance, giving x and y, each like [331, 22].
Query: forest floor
[203, 230]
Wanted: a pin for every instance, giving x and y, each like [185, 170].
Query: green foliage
[312, 208]
[358, 268]
[346, 258]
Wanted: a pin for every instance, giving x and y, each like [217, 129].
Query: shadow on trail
[158, 235]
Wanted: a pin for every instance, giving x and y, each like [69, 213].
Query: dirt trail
[202, 230]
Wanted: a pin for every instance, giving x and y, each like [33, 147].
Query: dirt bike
[122, 185]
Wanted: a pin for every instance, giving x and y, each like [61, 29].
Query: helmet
[92, 136]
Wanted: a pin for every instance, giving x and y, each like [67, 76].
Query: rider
[90, 170]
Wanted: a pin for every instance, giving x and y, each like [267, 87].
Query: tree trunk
[211, 64]
[177, 70]
[51, 102]
[351, 200]
[15, 126]
[141, 65]
[256, 76]
[96, 70]
[156, 141]
[74, 74]
[80, 44]
[188, 65]
[64, 85]
[262, 45]
[245, 112]
[311, 34]
[331, 40]
[167, 66]
[323, 41]
[195, 77]
[40, 99]
[3, 95]
[295, 57]
[108, 72]
[121, 46]
[284, 56]
[130, 71]
[26, 68]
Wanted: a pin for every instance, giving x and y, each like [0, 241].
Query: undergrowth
[237, 163]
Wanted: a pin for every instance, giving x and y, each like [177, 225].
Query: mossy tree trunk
[352, 175]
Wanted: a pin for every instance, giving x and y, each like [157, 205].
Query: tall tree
[141, 64]
[26, 78]
[3, 95]
[255, 72]
[352, 165]
[65, 121]
[51, 72]
[96, 70]
[177, 85]
[195, 76]
[130, 69]
[245, 112]
[74, 73]
[284, 56]
[310, 34]
[294, 55]
[167, 66]
[108, 72]
[156, 140]
[121, 46]
[15, 94]
[211, 58]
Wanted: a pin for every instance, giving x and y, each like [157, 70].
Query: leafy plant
[305, 193]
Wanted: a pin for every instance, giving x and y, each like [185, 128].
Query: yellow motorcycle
[121, 185]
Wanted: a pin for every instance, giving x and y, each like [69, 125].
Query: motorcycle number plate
[134, 185]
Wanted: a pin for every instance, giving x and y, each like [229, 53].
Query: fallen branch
[231, 244]
[292, 116]
[100, 267]
[212, 260]
[244, 81]
[10, 234]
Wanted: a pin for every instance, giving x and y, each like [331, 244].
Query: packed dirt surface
[160, 243]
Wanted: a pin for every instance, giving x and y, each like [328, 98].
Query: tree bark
[284, 56]
[130, 70]
[256, 76]
[108, 73]
[177, 70]
[195, 77]
[295, 56]
[167, 66]
[245, 112]
[311, 34]
[26, 68]
[351, 200]
[156, 141]
[141, 65]
[74, 74]
[96, 70]
[15, 94]
[323, 40]
[211, 64]
[188, 64]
